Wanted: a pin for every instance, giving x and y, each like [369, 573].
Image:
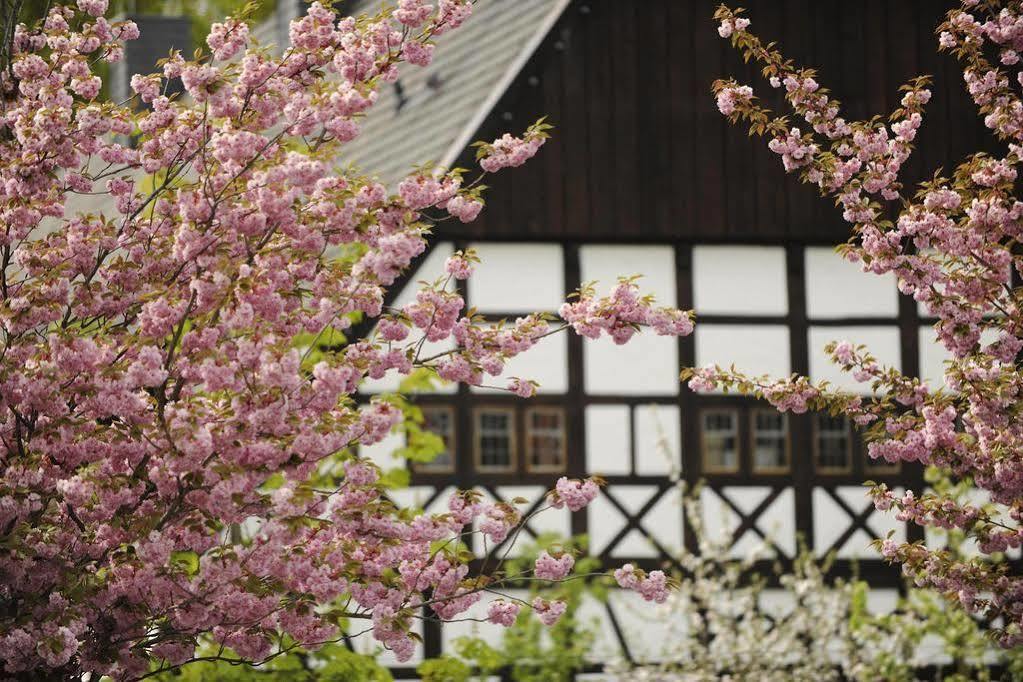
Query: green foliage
[531, 651]
[202, 13]
[444, 669]
[331, 663]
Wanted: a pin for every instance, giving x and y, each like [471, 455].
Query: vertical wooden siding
[641, 153]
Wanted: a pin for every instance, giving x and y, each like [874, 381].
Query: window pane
[440, 421]
[546, 439]
[833, 442]
[494, 436]
[770, 440]
[720, 441]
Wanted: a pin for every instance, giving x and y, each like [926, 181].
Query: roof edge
[502, 86]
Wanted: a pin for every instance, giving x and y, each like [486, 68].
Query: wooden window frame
[477, 435]
[429, 467]
[786, 434]
[528, 433]
[705, 463]
[815, 447]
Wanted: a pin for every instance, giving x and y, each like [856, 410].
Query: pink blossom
[573, 493]
[549, 612]
[503, 612]
[550, 568]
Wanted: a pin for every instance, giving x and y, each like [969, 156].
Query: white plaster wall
[753, 349]
[381, 453]
[647, 627]
[431, 269]
[830, 521]
[658, 440]
[664, 522]
[604, 521]
[932, 358]
[777, 522]
[646, 365]
[740, 280]
[606, 263]
[546, 362]
[836, 288]
[517, 278]
[881, 342]
[605, 647]
[607, 439]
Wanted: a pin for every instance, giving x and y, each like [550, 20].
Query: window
[720, 440]
[440, 420]
[495, 439]
[770, 441]
[832, 443]
[545, 439]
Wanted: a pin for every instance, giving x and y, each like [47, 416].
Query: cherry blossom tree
[953, 244]
[178, 445]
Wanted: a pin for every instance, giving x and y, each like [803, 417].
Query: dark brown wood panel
[640, 151]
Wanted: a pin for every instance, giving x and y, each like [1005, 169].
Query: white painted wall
[830, 522]
[836, 288]
[882, 342]
[430, 270]
[646, 365]
[778, 521]
[932, 358]
[753, 349]
[546, 362]
[658, 440]
[606, 263]
[739, 280]
[608, 436]
[517, 278]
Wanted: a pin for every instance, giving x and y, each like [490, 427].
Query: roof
[442, 105]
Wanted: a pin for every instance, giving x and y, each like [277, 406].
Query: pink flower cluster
[503, 612]
[177, 405]
[548, 567]
[549, 612]
[651, 586]
[621, 314]
[795, 152]
[573, 494]
[730, 98]
[951, 247]
[509, 152]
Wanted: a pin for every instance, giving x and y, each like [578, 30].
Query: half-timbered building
[644, 176]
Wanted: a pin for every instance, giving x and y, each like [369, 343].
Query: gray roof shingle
[444, 103]
[447, 101]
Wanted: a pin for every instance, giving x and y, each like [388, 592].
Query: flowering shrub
[526, 650]
[952, 246]
[720, 624]
[726, 621]
[177, 442]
